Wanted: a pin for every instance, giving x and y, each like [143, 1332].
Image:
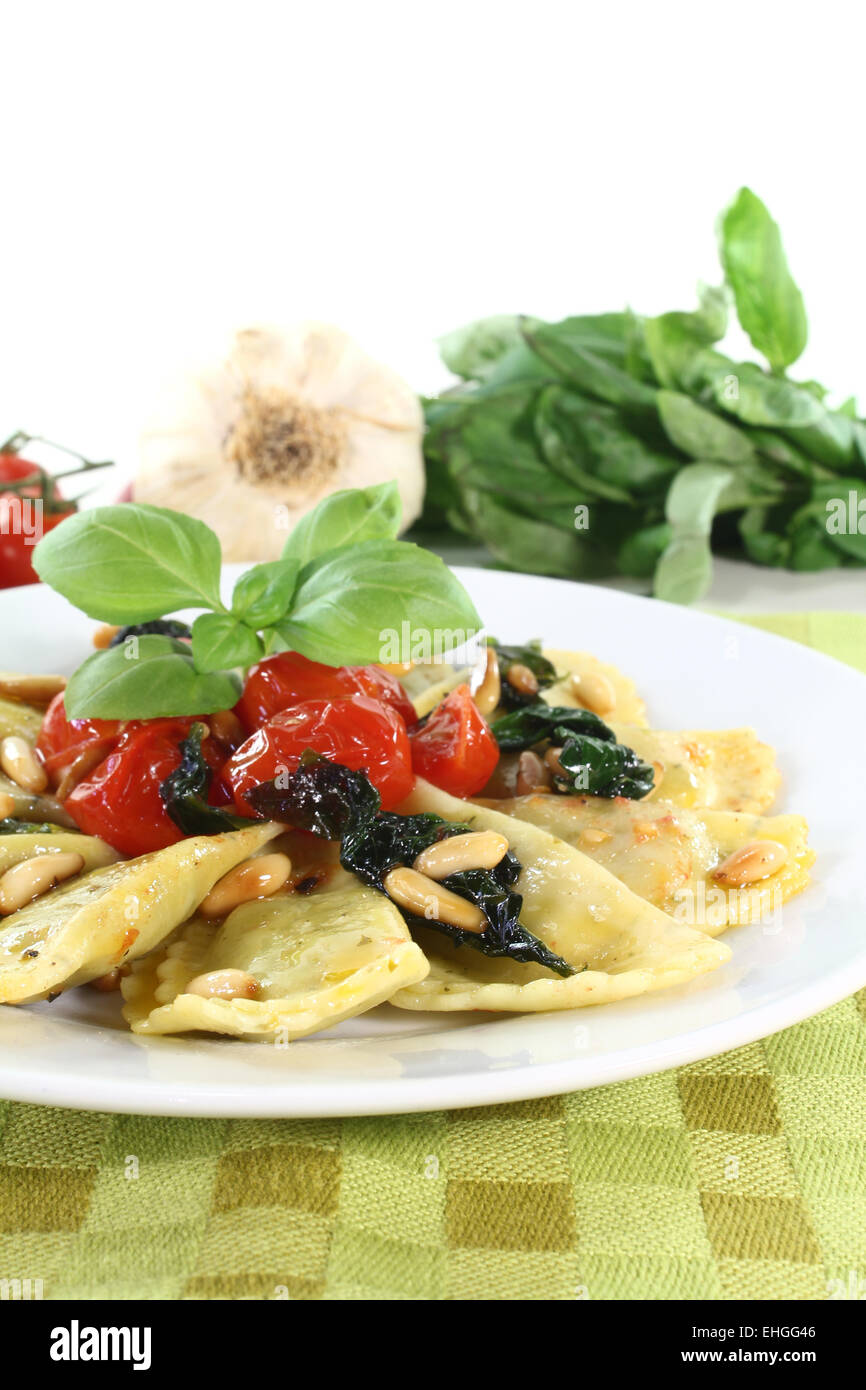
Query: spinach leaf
[591, 759]
[149, 677]
[159, 627]
[769, 304]
[10, 826]
[529, 655]
[184, 792]
[131, 563]
[601, 768]
[534, 723]
[330, 800]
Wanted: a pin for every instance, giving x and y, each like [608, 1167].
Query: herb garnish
[342, 580]
[339, 804]
[591, 760]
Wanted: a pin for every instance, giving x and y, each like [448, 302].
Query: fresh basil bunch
[613, 443]
[342, 579]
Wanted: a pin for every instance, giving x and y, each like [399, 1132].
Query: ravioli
[22, 720]
[621, 944]
[629, 707]
[318, 959]
[94, 852]
[723, 770]
[89, 925]
[667, 854]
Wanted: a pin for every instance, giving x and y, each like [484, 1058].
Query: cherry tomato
[120, 802]
[359, 732]
[281, 681]
[455, 749]
[61, 740]
[22, 523]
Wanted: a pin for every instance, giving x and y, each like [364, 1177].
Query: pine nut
[224, 984]
[594, 691]
[522, 679]
[32, 877]
[79, 768]
[532, 774]
[551, 759]
[32, 690]
[426, 898]
[104, 636]
[755, 861]
[227, 729]
[477, 849]
[487, 695]
[257, 878]
[19, 762]
[7, 805]
[395, 668]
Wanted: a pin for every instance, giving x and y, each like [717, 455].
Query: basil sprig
[342, 582]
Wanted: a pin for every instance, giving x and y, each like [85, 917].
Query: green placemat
[740, 1177]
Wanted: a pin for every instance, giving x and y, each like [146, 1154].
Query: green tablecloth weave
[739, 1177]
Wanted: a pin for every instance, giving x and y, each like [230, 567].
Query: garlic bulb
[289, 416]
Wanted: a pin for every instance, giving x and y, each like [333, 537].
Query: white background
[175, 170]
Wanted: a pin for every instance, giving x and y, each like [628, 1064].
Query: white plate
[694, 671]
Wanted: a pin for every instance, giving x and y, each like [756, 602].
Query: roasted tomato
[61, 740]
[120, 802]
[22, 524]
[455, 749]
[359, 732]
[280, 682]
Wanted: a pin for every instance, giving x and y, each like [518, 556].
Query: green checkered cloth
[739, 1177]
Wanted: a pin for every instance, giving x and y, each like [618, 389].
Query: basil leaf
[563, 346]
[744, 390]
[674, 340]
[640, 552]
[130, 563]
[346, 518]
[262, 596]
[684, 572]
[147, 678]
[700, 433]
[220, 642]
[769, 304]
[523, 542]
[348, 602]
[471, 351]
